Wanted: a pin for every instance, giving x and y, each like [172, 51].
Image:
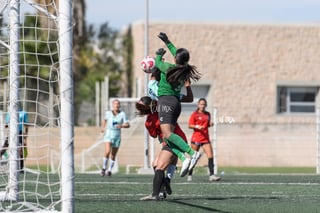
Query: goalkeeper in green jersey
[172, 79]
[153, 94]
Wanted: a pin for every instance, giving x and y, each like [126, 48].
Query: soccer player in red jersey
[200, 121]
[167, 159]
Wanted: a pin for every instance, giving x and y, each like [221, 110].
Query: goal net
[36, 77]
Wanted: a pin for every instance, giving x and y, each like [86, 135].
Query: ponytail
[180, 73]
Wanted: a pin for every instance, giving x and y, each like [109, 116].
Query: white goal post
[36, 64]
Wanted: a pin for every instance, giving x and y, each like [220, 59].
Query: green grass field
[280, 190]
[235, 193]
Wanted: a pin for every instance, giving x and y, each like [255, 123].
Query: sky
[120, 13]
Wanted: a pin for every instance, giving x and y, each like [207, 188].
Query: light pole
[146, 80]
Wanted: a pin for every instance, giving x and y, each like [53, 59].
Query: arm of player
[189, 96]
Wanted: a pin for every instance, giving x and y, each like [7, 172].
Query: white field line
[209, 183]
[278, 195]
[274, 194]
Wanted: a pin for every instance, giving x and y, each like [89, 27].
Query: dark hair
[202, 99]
[182, 56]
[144, 105]
[156, 73]
[146, 100]
[182, 71]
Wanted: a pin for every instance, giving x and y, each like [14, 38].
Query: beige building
[263, 80]
[244, 66]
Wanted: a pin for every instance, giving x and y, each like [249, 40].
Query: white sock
[105, 162]
[111, 165]
[170, 171]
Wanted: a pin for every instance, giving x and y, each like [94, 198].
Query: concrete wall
[237, 145]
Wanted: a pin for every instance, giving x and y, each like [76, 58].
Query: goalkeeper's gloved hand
[164, 37]
[161, 52]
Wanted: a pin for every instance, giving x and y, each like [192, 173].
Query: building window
[199, 91]
[296, 99]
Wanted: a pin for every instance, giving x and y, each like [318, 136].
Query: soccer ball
[147, 64]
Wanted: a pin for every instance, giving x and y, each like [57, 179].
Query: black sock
[162, 187]
[157, 182]
[21, 164]
[211, 166]
[168, 179]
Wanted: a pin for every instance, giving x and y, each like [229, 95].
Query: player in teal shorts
[112, 124]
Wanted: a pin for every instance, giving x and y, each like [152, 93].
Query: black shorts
[167, 148]
[169, 109]
[200, 144]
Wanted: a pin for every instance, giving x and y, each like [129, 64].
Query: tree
[98, 58]
[127, 52]
[96, 54]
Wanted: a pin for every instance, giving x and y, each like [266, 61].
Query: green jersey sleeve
[164, 87]
[172, 49]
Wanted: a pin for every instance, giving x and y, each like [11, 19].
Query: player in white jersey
[111, 126]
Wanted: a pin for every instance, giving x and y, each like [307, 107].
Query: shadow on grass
[196, 206]
[184, 201]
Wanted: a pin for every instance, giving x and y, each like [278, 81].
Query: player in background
[23, 128]
[166, 159]
[111, 126]
[200, 121]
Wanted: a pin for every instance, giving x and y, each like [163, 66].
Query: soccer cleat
[189, 178]
[103, 172]
[194, 159]
[167, 186]
[109, 173]
[162, 195]
[214, 178]
[150, 197]
[185, 167]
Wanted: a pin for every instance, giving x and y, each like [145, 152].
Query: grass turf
[246, 190]
[235, 193]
